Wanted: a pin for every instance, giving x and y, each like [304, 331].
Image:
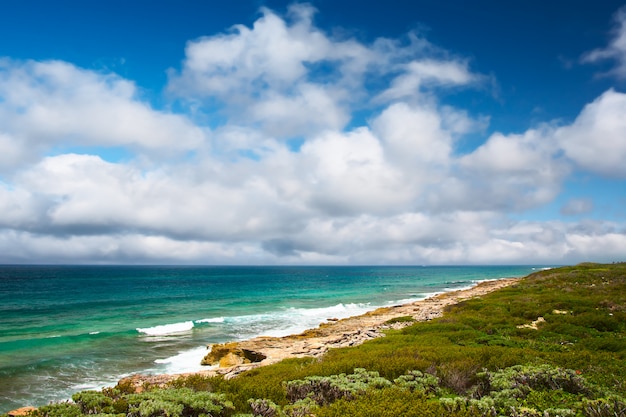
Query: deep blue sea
[69, 328]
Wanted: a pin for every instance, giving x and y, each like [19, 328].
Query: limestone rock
[231, 359]
[231, 354]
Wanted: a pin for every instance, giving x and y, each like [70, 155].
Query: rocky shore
[231, 359]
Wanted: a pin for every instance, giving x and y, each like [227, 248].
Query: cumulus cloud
[267, 73]
[595, 141]
[511, 172]
[310, 108]
[414, 137]
[52, 103]
[284, 174]
[271, 53]
[291, 79]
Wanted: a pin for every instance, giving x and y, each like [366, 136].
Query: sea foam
[167, 329]
[291, 320]
[213, 320]
[186, 361]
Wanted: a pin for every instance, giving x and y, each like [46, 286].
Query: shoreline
[232, 358]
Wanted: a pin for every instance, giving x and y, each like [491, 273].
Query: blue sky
[350, 132]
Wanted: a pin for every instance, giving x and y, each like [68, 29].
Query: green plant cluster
[326, 390]
[401, 319]
[530, 390]
[487, 356]
[171, 402]
[318, 395]
[521, 390]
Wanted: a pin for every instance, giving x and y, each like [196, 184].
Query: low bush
[63, 409]
[402, 319]
[326, 390]
[388, 402]
[611, 407]
[178, 402]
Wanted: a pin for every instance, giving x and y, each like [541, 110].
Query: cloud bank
[272, 161]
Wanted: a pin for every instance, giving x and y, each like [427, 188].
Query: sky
[348, 132]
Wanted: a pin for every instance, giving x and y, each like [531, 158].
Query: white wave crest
[290, 320]
[186, 361]
[213, 320]
[167, 329]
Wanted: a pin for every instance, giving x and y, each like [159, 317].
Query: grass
[479, 353]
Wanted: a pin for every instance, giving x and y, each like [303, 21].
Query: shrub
[459, 376]
[326, 390]
[195, 382]
[158, 407]
[387, 402]
[64, 409]
[542, 377]
[418, 381]
[612, 407]
[93, 402]
[402, 319]
[180, 402]
[301, 408]
[264, 408]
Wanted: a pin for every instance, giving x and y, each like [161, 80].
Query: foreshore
[231, 359]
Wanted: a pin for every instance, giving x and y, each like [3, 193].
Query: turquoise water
[68, 328]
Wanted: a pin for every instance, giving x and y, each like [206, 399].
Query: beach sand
[231, 359]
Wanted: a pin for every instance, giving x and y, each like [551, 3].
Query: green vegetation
[552, 345]
[402, 319]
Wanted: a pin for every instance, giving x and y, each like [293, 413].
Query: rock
[231, 354]
[231, 359]
[139, 382]
[533, 325]
[23, 411]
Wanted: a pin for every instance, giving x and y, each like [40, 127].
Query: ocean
[68, 328]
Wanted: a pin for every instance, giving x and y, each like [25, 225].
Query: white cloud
[596, 140]
[511, 172]
[392, 189]
[311, 108]
[47, 104]
[271, 52]
[616, 49]
[268, 74]
[291, 79]
[13, 151]
[348, 174]
[414, 138]
[85, 195]
[425, 73]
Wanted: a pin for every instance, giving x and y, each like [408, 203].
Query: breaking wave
[167, 329]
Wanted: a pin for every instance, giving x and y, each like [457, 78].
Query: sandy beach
[231, 359]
